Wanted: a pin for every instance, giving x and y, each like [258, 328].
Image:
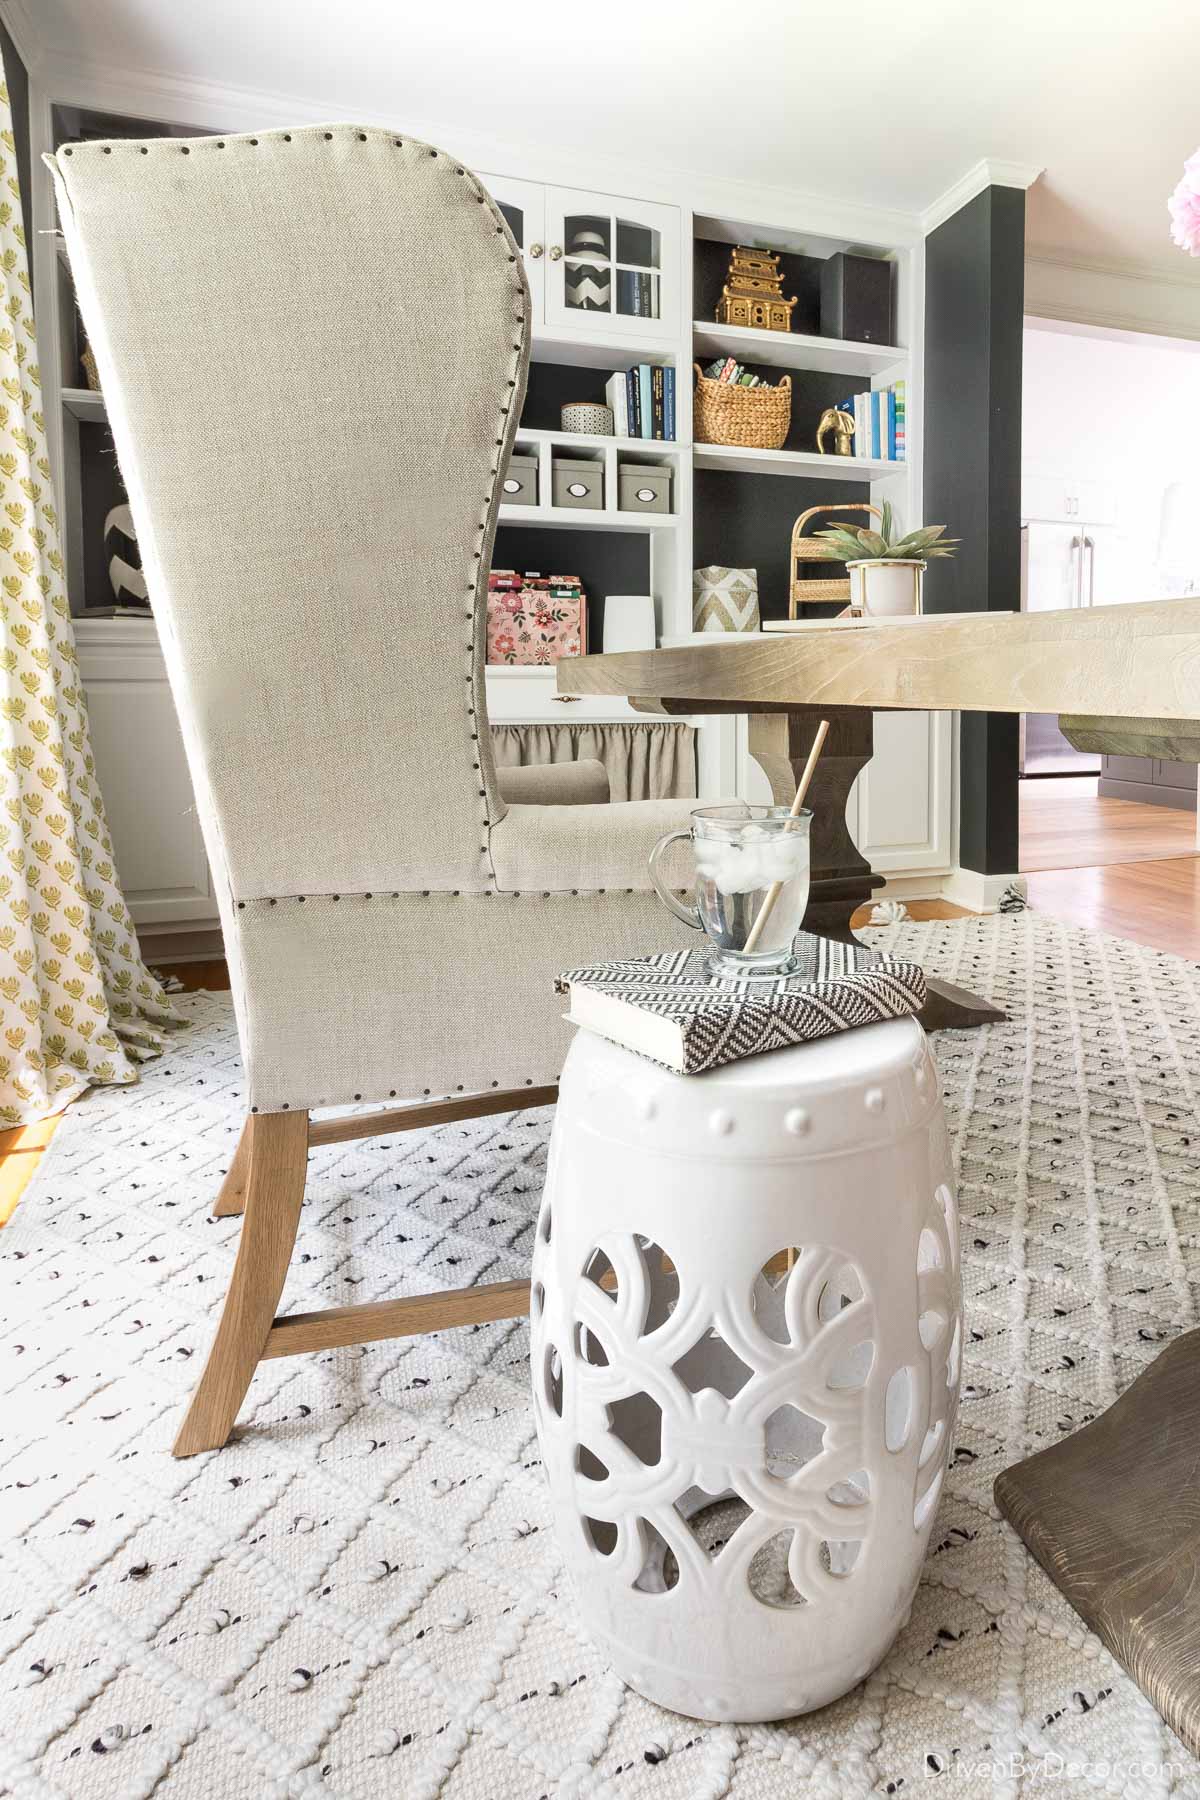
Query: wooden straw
[776, 888]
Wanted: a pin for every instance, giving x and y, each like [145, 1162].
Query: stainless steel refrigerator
[1063, 565]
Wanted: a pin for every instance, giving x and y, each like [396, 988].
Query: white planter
[745, 1459]
[886, 588]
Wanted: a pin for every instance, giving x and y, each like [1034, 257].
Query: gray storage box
[642, 489]
[578, 483]
[519, 487]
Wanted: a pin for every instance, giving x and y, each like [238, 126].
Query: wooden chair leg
[274, 1192]
[232, 1197]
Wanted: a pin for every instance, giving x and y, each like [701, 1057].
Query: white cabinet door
[523, 204]
[898, 812]
[143, 774]
[902, 825]
[1064, 497]
[612, 264]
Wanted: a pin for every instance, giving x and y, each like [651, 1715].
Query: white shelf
[794, 350]
[586, 440]
[84, 404]
[733, 457]
[588, 349]
[576, 518]
[522, 671]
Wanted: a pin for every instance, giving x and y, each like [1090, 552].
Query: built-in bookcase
[668, 250]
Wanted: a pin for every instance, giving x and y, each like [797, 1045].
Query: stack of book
[673, 1008]
[643, 401]
[879, 429]
[729, 371]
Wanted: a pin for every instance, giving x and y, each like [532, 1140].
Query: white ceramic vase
[886, 588]
[628, 622]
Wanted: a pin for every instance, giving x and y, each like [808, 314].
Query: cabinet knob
[535, 250]
[556, 253]
[565, 699]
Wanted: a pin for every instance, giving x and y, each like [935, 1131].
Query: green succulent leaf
[873, 543]
[916, 540]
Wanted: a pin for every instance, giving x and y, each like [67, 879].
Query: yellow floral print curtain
[77, 1006]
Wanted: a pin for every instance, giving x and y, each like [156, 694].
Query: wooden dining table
[1112, 1512]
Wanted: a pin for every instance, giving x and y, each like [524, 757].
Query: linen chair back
[313, 347]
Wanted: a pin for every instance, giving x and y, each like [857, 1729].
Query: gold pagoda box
[752, 294]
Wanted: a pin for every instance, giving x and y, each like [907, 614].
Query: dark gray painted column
[974, 307]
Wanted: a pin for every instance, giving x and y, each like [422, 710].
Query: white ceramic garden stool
[744, 1456]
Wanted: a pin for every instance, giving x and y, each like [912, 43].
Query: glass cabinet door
[523, 204]
[611, 264]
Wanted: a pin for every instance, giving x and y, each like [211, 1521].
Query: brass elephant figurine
[842, 425]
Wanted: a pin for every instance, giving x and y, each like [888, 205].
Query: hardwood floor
[1152, 902]
[1065, 825]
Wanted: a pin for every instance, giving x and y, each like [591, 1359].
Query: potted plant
[885, 570]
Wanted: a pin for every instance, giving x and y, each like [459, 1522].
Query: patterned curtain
[77, 1006]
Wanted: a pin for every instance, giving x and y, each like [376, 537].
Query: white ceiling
[887, 101]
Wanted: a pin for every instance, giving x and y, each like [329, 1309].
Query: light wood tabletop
[1109, 663]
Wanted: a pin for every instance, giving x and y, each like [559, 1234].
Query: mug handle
[689, 914]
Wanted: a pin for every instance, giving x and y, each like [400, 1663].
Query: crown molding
[1112, 296]
[989, 171]
[18, 22]
[1118, 268]
[225, 106]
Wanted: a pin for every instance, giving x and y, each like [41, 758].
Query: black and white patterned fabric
[837, 986]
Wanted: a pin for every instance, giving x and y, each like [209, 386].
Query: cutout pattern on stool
[671, 1386]
[941, 1336]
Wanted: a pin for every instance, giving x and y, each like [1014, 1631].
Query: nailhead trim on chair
[426, 1094]
[520, 295]
[488, 893]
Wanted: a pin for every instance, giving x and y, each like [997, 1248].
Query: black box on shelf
[856, 299]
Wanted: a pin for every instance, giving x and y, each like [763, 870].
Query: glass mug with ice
[742, 854]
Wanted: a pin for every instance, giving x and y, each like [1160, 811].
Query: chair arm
[582, 783]
[561, 849]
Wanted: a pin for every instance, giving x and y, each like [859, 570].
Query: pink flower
[504, 643]
[512, 603]
[1184, 207]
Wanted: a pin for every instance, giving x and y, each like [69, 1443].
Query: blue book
[873, 427]
[669, 403]
[891, 425]
[646, 402]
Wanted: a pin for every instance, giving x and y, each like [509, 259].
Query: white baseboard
[911, 887]
[977, 892]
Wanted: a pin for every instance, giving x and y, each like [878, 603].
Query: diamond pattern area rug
[361, 1595]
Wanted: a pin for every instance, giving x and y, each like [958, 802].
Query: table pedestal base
[1112, 1513]
[842, 878]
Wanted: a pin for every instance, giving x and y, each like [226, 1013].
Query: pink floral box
[534, 625]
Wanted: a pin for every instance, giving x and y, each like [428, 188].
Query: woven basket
[753, 418]
[809, 549]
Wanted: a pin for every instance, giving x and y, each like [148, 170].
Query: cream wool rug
[381, 1524]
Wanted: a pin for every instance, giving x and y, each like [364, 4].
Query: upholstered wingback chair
[313, 348]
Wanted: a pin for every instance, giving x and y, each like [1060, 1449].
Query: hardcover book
[675, 1010]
